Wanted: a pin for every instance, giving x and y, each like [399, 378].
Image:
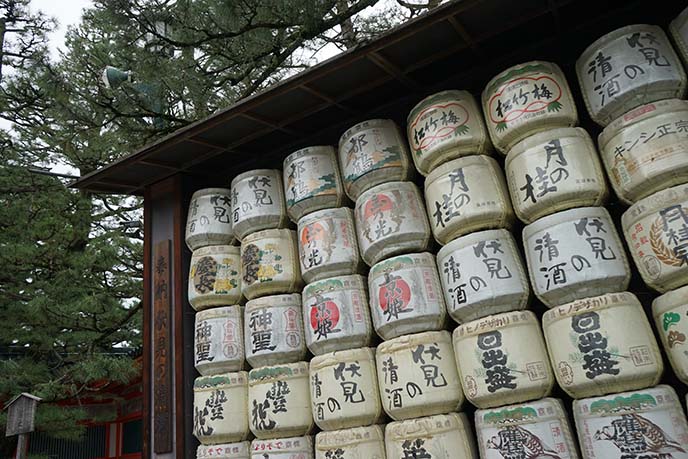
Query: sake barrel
[312, 181]
[391, 219]
[219, 340]
[502, 359]
[678, 28]
[602, 345]
[656, 230]
[240, 450]
[575, 254]
[642, 424]
[670, 312]
[273, 330]
[214, 278]
[336, 314]
[358, 442]
[646, 150]
[466, 195]
[446, 126]
[279, 401]
[405, 296]
[344, 389]
[327, 244]
[258, 202]
[417, 375]
[525, 99]
[283, 448]
[553, 171]
[209, 219]
[443, 436]
[269, 263]
[482, 274]
[628, 67]
[534, 429]
[370, 153]
[220, 408]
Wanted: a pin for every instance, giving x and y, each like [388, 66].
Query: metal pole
[22, 446]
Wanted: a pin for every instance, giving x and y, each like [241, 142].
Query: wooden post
[22, 446]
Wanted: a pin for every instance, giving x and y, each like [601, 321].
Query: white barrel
[553, 171]
[283, 448]
[656, 230]
[279, 401]
[336, 314]
[635, 425]
[344, 389]
[273, 330]
[391, 219]
[446, 126]
[214, 276]
[602, 345]
[646, 150]
[417, 375]
[626, 68]
[356, 443]
[240, 450]
[209, 221]
[575, 254]
[670, 312]
[502, 359]
[443, 436]
[220, 408]
[219, 340]
[373, 152]
[406, 296]
[466, 195]
[525, 99]
[538, 429]
[270, 263]
[327, 244]
[678, 28]
[258, 202]
[482, 274]
[312, 181]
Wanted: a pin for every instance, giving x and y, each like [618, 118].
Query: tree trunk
[3, 28]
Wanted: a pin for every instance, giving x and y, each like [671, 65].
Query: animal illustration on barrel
[634, 434]
[515, 442]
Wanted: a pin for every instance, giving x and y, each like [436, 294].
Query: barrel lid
[564, 216]
[277, 372]
[522, 413]
[670, 300]
[269, 233]
[519, 69]
[275, 172]
[495, 322]
[449, 94]
[408, 341]
[238, 378]
[543, 137]
[426, 427]
[388, 186]
[274, 301]
[348, 437]
[464, 161]
[633, 401]
[473, 238]
[378, 122]
[654, 203]
[216, 249]
[337, 212]
[401, 262]
[219, 312]
[314, 149]
[334, 358]
[239, 450]
[209, 191]
[334, 283]
[595, 303]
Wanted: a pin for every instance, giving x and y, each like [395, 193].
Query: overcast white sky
[67, 12]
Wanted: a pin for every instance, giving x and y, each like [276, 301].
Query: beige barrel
[628, 67]
[219, 340]
[502, 359]
[312, 181]
[417, 375]
[466, 195]
[482, 274]
[646, 150]
[209, 221]
[327, 244]
[355, 443]
[446, 126]
[552, 171]
[258, 202]
[283, 448]
[642, 424]
[270, 263]
[336, 316]
[220, 408]
[602, 345]
[391, 219]
[670, 312]
[406, 296]
[575, 254]
[214, 276]
[373, 152]
[279, 401]
[538, 429]
[678, 28]
[240, 450]
[525, 99]
[656, 230]
[443, 436]
[344, 389]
